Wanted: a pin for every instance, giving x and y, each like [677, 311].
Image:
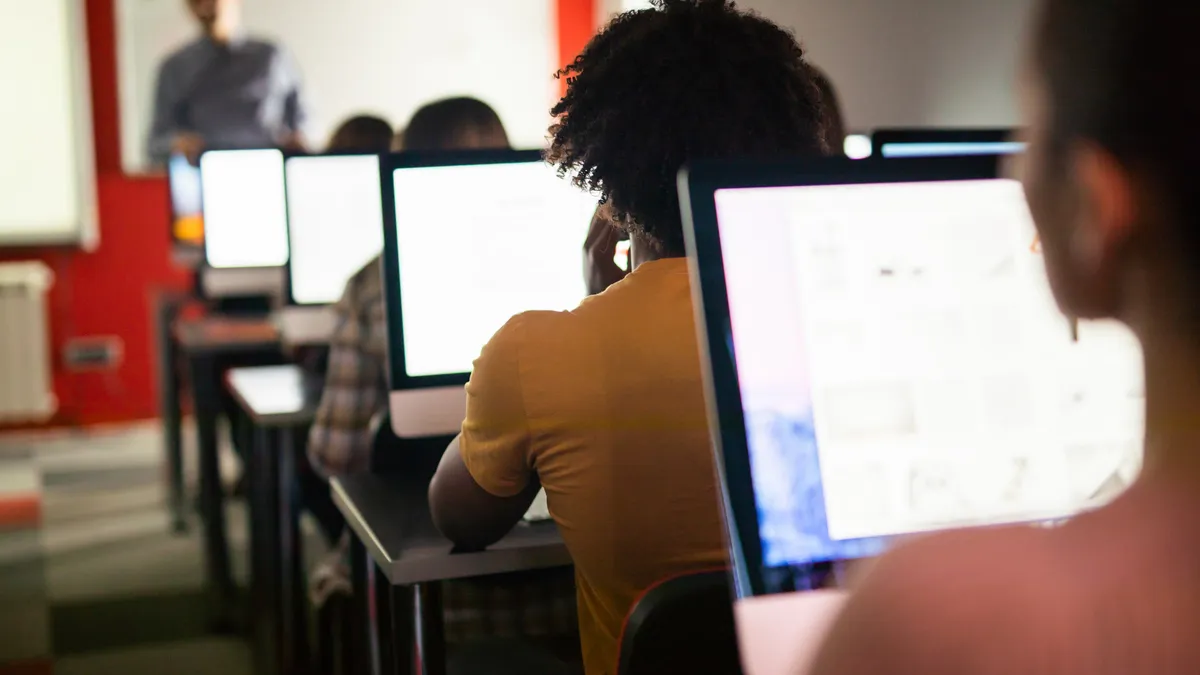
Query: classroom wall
[106, 292]
[913, 62]
[109, 292]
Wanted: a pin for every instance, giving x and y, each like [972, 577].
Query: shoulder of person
[183, 54]
[940, 602]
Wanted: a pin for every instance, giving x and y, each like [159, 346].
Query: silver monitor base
[421, 413]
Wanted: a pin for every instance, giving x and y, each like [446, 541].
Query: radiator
[26, 384]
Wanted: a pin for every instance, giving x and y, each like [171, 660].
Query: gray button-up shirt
[245, 94]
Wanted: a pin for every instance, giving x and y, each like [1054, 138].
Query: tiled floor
[92, 580]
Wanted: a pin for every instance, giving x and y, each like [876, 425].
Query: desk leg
[430, 632]
[264, 630]
[292, 608]
[403, 630]
[169, 407]
[364, 652]
[202, 371]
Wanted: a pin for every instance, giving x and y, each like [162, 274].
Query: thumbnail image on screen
[909, 371]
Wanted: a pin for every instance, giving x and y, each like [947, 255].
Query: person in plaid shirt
[537, 605]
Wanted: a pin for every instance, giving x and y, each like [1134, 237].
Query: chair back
[683, 624]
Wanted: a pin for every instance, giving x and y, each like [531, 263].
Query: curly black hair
[687, 80]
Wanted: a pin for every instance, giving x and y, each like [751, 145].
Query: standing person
[1111, 177]
[225, 90]
[603, 406]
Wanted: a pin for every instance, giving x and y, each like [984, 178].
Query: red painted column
[576, 21]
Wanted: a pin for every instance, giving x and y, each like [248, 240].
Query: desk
[390, 519]
[204, 344]
[280, 402]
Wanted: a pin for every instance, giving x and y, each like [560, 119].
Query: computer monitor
[905, 143]
[187, 215]
[335, 223]
[245, 209]
[883, 356]
[470, 240]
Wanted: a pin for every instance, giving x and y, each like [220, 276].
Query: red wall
[109, 291]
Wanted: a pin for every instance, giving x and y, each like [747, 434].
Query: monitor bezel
[698, 185]
[399, 379]
[288, 298]
[282, 176]
[900, 135]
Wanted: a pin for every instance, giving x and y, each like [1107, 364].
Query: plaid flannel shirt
[532, 604]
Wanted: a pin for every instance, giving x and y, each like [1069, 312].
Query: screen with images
[903, 368]
[477, 245]
[187, 219]
[335, 223]
[245, 210]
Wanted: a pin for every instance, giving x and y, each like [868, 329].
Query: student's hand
[189, 145]
[599, 270]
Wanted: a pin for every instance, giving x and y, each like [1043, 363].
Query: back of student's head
[454, 124]
[687, 80]
[835, 120]
[1120, 75]
[362, 133]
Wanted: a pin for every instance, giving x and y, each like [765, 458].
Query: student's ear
[1106, 218]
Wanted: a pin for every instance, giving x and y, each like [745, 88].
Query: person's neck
[642, 251]
[1172, 364]
[221, 34]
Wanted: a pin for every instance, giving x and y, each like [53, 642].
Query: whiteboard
[384, 57]
[47, 171]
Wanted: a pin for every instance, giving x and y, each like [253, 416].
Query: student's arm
[485, 481]
[164, 127]
[295, 107]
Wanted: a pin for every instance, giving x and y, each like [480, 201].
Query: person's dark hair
[454, 123]
[659, 88]
[835, 121]
[1119, 73]
[362, 133]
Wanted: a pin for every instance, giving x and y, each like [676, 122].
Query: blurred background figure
[225, 90]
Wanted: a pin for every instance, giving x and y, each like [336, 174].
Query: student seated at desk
[1111, 176]
[361, 133]
[603, 406]
[537, 605]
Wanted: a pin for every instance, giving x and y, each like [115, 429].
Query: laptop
[245, 223]
[335, 227]
[883, 357]
[899, 143]
[470, 240]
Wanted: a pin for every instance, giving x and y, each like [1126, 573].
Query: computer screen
[901, 143]
[187, 219]
[335, 223]
[245, 210]
[476, 245]
[903, 367]
[951, 149]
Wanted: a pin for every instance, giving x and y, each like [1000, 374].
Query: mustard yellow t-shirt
[605, 404]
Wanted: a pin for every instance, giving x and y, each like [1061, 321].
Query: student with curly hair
[603, 406]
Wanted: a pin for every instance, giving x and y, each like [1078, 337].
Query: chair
[683, 624]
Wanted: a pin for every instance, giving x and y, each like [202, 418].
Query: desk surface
[275, 396]
[391, 517]
[226, 334]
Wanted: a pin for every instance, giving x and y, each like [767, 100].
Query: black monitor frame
[288, 298]
[697, 187]
[894, 136]
[399, 378]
